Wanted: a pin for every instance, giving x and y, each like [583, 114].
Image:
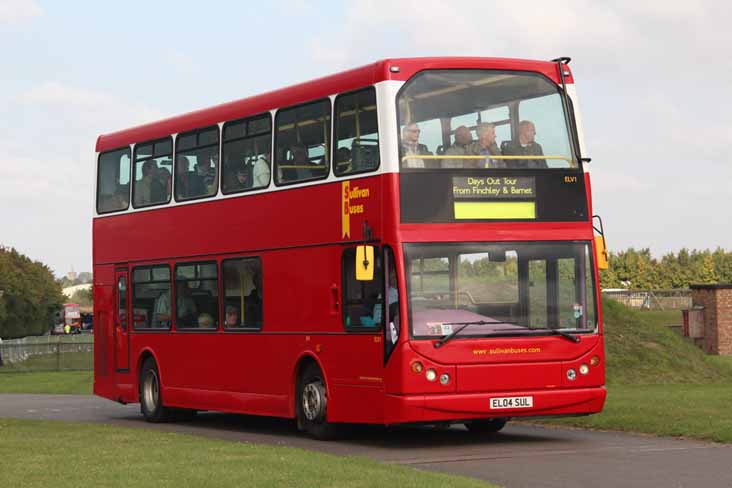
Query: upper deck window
[357, 134]
[246, 154]
[302, 142]
[153, 172]
[480, 119]
[196, 164]
[113, 181]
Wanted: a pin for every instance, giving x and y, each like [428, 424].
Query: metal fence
[48, 353]
[652, 299]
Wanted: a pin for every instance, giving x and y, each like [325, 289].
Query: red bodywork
[297, 234]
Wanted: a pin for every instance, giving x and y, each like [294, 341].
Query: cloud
[48, 167]
[13, 12]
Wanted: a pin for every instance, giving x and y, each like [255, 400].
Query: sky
[653, 80]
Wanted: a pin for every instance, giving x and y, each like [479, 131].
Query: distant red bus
[406, 242]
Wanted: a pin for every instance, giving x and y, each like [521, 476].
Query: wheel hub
[151, 390]
[313, 401]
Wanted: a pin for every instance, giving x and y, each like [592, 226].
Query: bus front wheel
[490, 426]
[312, 404]
[151, 398]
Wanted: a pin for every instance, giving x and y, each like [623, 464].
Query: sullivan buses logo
[350, 205]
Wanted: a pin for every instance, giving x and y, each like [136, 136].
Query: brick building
[717, 303]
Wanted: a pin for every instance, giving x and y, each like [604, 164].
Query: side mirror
[601, 252]
[364, 263]
[600, 246]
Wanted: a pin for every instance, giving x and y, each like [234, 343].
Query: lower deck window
[196, 296]
[151, 298]
[242, 293]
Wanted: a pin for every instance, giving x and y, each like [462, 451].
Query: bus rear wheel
[312, 404]
[151, 397]
[489, 426]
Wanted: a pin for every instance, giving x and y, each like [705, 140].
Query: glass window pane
[357, 136]
[242, 293]
[113, 183]
[152, 177]
[469, 113]
[164, 148]
[161, 274]
[247, 158]
[196, 165]
[141, 275]
[542, 112]
[196, 296]
[151, 305]
[363, 300]
[516, 287]
[302, 138]
[235, 130]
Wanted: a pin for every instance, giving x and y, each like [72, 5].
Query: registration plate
[512, 402]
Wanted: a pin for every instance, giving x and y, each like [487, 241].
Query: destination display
[493, 187]
[444, 196]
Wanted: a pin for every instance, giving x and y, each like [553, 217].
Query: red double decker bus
[406, 242]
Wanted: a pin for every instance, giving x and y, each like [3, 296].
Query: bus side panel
[104, 376]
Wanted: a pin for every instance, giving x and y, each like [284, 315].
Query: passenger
[166, 180]
[486, 146]
[198, 180]
[185, 307]
[181, 177]
[412, 147]
[206, 321]
[237, 177]
[261, 172]
[393, 298]
[149, 189]
[253, 303]
[232, 317]
[462, 147]
[525, 146]
[304, 167]
[343, 160]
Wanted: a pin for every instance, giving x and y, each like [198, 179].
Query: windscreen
[483, 119]
[504, 288]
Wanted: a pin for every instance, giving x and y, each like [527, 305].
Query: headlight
[584, 369]
[431, 375]
[571, 374]
[444, 378]
[417, 367]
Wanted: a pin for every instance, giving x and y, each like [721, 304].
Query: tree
[30, 295]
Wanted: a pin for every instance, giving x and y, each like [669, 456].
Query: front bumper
[468, 406]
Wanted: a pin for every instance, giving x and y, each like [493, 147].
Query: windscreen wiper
[562, 333]
[463, 325]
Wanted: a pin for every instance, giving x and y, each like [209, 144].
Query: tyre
[490, 426]
[151, 396]
[312, 404]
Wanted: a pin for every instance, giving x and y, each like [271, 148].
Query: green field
[80, 361]
[47, 453]
[52, 382]
[658, 382]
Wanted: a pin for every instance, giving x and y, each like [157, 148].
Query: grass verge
[697, 411]
[59, 383]
[47, 453]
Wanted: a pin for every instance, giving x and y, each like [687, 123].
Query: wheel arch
[144, 355]
[305, 359]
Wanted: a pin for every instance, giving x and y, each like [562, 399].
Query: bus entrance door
[121, 326]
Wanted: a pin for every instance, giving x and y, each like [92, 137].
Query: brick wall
[717, 303]
[724, 321]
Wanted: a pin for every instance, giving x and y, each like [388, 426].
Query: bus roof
[311, 90]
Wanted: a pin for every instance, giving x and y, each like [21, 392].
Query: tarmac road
[521, 455]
